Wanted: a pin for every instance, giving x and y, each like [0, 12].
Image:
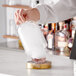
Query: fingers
[22, 15]
[18, 18]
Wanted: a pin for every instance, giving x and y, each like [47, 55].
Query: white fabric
[61, 10]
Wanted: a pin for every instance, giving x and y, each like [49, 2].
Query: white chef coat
[59, 11]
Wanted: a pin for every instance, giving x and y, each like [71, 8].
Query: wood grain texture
[17, 6]
[10, 36]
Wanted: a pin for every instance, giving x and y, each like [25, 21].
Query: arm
[48, 13]
[62, 10]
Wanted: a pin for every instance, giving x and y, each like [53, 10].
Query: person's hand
[26, 15]
[20, 16]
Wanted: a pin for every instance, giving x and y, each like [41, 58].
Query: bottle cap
[57, 26]
[50, 26]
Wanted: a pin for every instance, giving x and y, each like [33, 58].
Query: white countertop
[12, 62]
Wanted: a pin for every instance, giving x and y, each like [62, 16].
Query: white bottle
[33, 40]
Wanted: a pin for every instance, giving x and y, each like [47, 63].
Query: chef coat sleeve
[62, 10]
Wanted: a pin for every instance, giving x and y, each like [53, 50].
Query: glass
[61, 39]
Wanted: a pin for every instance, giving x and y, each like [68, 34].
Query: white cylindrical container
[33, 40]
